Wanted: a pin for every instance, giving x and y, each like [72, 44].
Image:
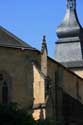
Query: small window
[5, 93]
[1, 77]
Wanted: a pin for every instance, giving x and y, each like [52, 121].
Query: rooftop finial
[71, 4]
[44, 38]
[44, 45]
[44, 54]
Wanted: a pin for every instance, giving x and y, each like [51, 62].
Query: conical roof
[69, 46]
[70, 26]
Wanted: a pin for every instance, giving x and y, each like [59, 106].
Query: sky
[31, 19]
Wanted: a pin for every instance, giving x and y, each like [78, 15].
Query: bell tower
[69, 46]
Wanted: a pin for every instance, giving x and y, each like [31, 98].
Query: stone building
[41, 85]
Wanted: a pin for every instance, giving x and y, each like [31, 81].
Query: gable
[9, 39]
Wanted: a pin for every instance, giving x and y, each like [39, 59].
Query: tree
[10, 114]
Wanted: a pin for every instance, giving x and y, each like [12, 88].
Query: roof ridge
[21, 42]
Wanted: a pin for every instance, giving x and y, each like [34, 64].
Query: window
[1, 77]
[5, 87]
[4, 93]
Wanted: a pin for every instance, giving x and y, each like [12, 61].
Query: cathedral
[46, 87]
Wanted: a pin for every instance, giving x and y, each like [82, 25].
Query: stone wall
[17, 64]
[70, 83]
[28, 85]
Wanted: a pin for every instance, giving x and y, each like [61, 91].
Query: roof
[69, 46]
[70, 26]
[9, 39]
[64, 67]
[74, 64]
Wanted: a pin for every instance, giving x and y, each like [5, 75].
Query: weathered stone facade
[28, 86]
[38, 83]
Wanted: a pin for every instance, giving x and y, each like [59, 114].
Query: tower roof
[69, 46]
[70, 26]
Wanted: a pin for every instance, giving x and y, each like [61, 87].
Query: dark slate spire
[69, 46]
[70, 26]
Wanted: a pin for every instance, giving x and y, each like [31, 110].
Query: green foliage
[51, 121]
[10, 114]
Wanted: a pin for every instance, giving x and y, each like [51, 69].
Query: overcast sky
[31, 19]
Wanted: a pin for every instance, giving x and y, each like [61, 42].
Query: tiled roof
[9, 39]
[74, 64]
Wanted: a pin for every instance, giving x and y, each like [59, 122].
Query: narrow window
[5, 93]
[1, 77]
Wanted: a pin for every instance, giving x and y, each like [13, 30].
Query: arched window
[5, 88]
[4, 93]
[1, 77]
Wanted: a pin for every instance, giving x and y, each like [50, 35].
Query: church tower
[69, 46]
